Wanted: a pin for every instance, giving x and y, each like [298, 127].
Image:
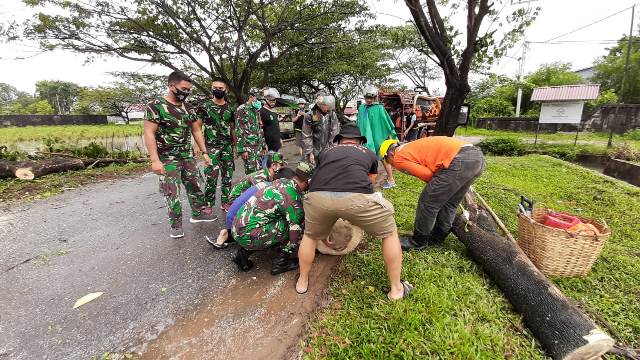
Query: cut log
[30, 170]
[563, 330]
[344, 238]
[7, 169]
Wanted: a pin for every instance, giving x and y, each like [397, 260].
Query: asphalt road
[112, 238]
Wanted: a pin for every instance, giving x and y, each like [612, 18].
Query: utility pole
[522, 58]
[624, 77]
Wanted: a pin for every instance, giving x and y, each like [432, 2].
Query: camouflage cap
[304, 170]
[277, 158]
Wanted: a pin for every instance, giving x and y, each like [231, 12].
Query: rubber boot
[438, 235]
[416, 242]
[242, 260]
[283, 263]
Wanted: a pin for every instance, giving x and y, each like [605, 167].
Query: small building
[586, 73]
[563, 104]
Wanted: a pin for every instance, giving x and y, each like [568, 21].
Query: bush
[503, 146]
[624, 151]
[562, 152]
[632, 135]
[6, 154]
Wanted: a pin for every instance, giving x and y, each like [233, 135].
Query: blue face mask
[256, 105]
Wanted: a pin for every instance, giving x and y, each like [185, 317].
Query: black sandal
[215, 244]
[406, 290]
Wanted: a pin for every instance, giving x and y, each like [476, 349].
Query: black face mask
[218, 94]
[181, 95]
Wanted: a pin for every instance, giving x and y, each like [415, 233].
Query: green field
[70, 133]
[456, 312]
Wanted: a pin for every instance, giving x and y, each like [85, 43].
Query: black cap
[350, 131]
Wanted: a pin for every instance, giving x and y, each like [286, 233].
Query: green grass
[597, 139]
[9, 135]
[456, 312]
[15, 190]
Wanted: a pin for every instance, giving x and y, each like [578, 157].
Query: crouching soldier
[274, 216]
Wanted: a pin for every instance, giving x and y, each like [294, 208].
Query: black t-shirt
[345, 168]
[271, 128]
[297, 123]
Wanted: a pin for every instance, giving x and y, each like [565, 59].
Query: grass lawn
[456, 312]
[596, 138]
[9, 135]
[15, 190]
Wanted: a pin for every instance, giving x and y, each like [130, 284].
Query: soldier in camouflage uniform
[274, 216]
[249, 133]
[168, 127]
[274, 163]
[218, 117]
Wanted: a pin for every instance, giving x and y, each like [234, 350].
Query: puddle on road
[261, 318]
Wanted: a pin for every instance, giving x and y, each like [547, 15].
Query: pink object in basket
[560, 220]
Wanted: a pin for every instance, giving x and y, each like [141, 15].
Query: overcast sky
[556, 18]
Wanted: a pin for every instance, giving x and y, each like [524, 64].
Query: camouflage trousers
[260, 238]
[179, 171]
[221, 164]
[252, 163]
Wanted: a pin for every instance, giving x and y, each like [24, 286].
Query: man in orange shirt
[449, 166]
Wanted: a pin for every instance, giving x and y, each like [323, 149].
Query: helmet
[302, 101]
[254, 92]
[328, 100]
[270, 94]
[371, 91]
[384, 148]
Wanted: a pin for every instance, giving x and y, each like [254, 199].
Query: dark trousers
[442, 195]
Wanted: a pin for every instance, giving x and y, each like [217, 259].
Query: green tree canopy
[61, 95]
[610, 69]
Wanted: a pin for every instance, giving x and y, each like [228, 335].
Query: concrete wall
[623, 170]
[35, 120]
[627, 118]
[520, 124]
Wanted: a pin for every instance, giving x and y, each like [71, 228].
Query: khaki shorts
[370, 212]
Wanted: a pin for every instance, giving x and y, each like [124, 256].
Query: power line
[590, 24]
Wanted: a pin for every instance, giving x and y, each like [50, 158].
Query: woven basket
[558, 252]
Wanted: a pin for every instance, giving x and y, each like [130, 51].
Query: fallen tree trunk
[31, 169]
[563, 331]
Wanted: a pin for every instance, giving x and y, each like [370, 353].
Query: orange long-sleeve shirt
[422, 158]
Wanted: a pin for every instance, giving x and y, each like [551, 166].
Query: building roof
[565, 93]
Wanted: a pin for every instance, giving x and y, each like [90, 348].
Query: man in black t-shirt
[271, 121]
[342, 188]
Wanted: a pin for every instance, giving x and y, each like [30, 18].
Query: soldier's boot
[416, 242]
[242, 259]
[283, 262]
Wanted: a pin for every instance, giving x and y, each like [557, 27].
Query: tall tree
[9, 93]
[224, 38]
[480, 45]
[61, 95]
[610, 69]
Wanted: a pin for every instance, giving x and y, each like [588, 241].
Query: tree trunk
[29, 170]
[563, 331]
[448, 119]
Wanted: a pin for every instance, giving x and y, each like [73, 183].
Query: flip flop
[216, 245]
[294, 286]
[406, 290]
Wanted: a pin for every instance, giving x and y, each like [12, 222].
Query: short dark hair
[219, 79]
[285, 173]
[177, 76]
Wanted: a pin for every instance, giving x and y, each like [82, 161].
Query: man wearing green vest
[376, 125]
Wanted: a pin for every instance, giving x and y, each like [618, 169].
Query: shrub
[562, 152]
[503, 146]
[624, 151]
[11, 155]
[632, 135]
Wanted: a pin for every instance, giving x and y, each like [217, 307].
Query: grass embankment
[596, 140]
[70, 133]
[15, 190]
[456, 312]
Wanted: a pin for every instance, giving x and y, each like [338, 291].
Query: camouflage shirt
[248, 129]
[218, 123]
[248, 181]
[282, 200]
[173, 137]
